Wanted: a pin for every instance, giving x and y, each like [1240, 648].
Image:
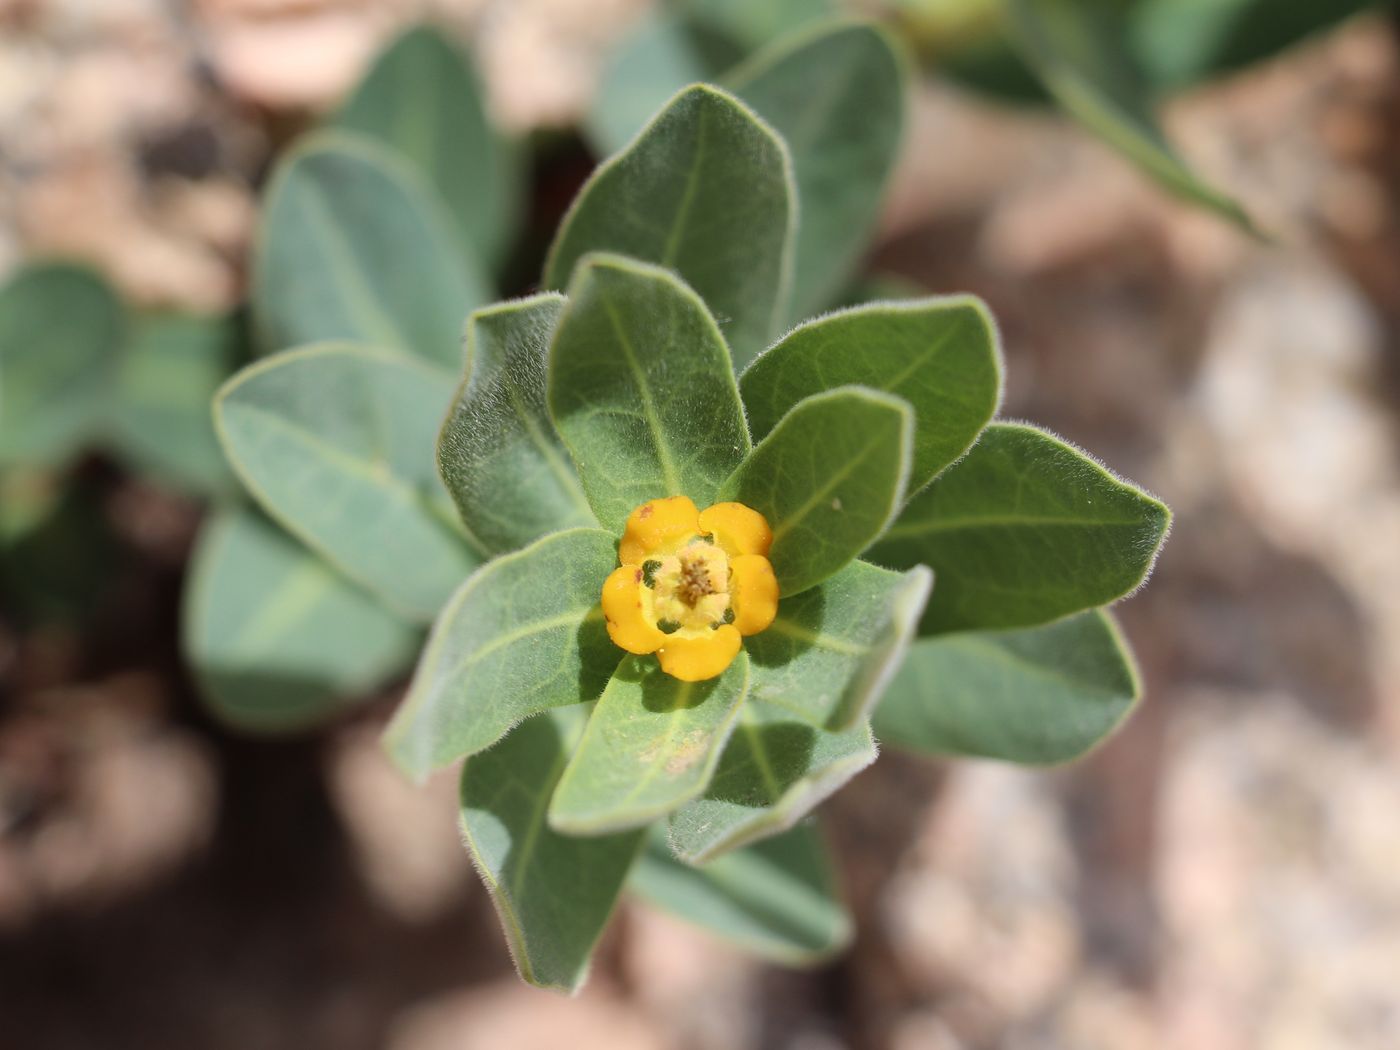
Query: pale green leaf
[776, 899]
[705, 190]
[498, 453]
[61, 328]
[279, 640]
[1023, 530]
[775, 769]
[352, 245]
[554, 893]
[1036, 695]
[832, 649]
[751, 25]
[941, 355]
[172, 366]
[336, 443]
[654, 61]
[1080, 49]
[652, 743]
[422, 99]
[836, 96]
[829, 478]
[641, 389]
[523, 634]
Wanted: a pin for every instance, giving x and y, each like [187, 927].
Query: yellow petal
[658, 526]
[696, 657]
[753, 589]
[737, 529]
[628, 625]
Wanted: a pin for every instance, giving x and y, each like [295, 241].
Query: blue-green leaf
[498, 453]
[836, 96]
[279, 641]
[172, 366]
[422, 99]
[1024, 530]
[352, 245]
[832, 649]
[641, 389]
[554, 893]
[774, 771]
[522, 634]
[1036, 695]
[941, 355]
[776, 899]
[336, 442]
[61, 328]
[705, 190]
[652, 743]
[829, 478]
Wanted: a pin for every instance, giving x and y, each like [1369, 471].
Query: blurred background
[1223, 874]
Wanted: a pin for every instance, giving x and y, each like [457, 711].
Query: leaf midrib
[935, 525]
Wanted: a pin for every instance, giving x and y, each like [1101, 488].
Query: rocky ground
[1221, 876]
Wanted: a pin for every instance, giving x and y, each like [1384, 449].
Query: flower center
[689, 590]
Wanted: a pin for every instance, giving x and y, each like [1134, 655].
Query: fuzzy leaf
[1036, 695]
[836, 96]
[353, 246]
[829, 478]
[776, 899]
[554, 893]
[336, 443]
[1025, 529]
[641, 389]
[705, 190]
[524, 633]
[498, 453]
[832, 649]
[172, 367]
[61, 328]
[279, 641]
[652, 743]
[1080, 49]
[654, 61]
[939, 354]
[422, 99]
[775, 770]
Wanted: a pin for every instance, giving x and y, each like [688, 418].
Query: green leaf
[422, 99]
[641, 389]
[1037, 695]
[657, 59]
[776, 899]
[706, 190]
[353, 246]
[498, 453]
[523, 634]
[940, 354]
[554, 893]
[1080, 49]
[829, 478]
[752, 25]
[61, 327]
[832, 649]
[836, 96]
[1025, 529]
[278, 640]
[172, 367]
[775, 770]
[652, 743]
[1180, 42]
[336, 443]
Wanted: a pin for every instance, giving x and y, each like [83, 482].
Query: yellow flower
[691, 585]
